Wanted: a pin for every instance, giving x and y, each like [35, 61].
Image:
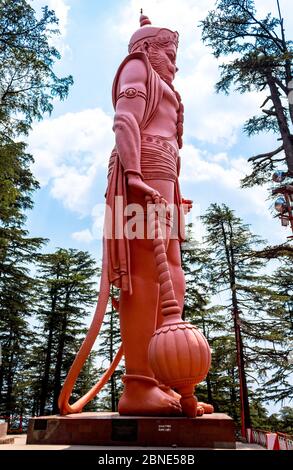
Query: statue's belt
[159, 158]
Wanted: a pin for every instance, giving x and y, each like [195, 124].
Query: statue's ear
[145, 47]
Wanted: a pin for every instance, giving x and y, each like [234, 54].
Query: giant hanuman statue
[145, 263]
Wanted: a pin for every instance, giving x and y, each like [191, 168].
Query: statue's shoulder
[135, 59]
[136, 65]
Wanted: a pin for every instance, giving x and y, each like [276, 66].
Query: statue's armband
[131, 93]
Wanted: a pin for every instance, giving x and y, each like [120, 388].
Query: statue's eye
[171, 57]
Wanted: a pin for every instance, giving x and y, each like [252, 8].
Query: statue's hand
[187, 205]
[140, 187]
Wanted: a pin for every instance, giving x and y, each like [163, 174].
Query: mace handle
[169, 303]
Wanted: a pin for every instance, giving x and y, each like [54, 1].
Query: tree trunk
[1, 379]
[288, 65]
[208, 378]
[60, 351]
[233, 396]
[45, 380]
[10, 375]
[282, 121]
[245, 412]
[209, 390]
[111, 357]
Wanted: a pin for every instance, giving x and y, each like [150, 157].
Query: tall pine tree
[109, 342]
[28, 86]
[261, 59]
[66, 292]
[238, 277]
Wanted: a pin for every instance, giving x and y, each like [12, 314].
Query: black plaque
[124, 430]
[40, 425]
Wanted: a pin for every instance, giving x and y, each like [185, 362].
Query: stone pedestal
[3, 429]
[4, 439]
[110, 429]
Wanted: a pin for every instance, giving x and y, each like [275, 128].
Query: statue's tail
[86, 347]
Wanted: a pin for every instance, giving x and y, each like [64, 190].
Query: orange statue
[162, 353]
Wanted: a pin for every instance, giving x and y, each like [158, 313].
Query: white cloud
[200, 166]
[72, 188]
[98, 215]
[182, 16]
[219, 157]
[97, 226]
[83, 236]
[211, 117]
[69, 152]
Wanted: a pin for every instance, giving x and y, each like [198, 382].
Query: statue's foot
[208, 409]
[199, 410]
[170, 391]
[143, 397]
[189, 406]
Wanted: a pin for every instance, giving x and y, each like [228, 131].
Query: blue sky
[71, 148]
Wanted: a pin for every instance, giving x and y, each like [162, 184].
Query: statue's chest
[166, 112]
[169, 98]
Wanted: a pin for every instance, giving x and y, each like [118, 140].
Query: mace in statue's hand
[187, 205]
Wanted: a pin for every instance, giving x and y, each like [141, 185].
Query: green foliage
[219, 388]
[239, 274]
[278, 386]
[28, 86]
[28, 83]
[17, 251]
[65, 292]
[286, 418]
[109, 344]
[261, 60]
[16, 183]
[234, 28]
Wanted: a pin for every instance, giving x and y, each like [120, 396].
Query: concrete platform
[20, 444]
[4, 439]
[214, 431]
[3, 429]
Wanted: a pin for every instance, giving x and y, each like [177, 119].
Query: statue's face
[163, 60]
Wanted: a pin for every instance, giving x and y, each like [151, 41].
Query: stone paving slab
[20, 444]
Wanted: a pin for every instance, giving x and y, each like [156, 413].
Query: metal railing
[270, 440]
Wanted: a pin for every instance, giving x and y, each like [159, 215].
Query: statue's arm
[129, 113]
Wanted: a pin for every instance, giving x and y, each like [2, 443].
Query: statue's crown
[151, 33]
